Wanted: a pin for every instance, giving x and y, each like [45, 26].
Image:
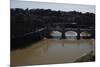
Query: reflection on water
[71, 37]
[52, 51]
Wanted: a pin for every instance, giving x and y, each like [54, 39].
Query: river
[49, 51]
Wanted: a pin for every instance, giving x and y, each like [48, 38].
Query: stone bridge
[62, 28]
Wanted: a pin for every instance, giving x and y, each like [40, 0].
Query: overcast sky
[53, 6]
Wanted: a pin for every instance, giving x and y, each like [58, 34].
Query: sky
[53, 6]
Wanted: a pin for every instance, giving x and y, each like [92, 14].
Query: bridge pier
[63, 34]
[78, 35]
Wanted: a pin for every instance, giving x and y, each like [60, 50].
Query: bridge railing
[69, 29]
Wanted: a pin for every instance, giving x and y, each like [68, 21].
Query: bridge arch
[56, 34]
[85, 34]
[71, 35]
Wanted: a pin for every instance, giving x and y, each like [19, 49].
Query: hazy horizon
[52, 6]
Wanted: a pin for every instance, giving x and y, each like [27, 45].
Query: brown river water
[49, 51]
